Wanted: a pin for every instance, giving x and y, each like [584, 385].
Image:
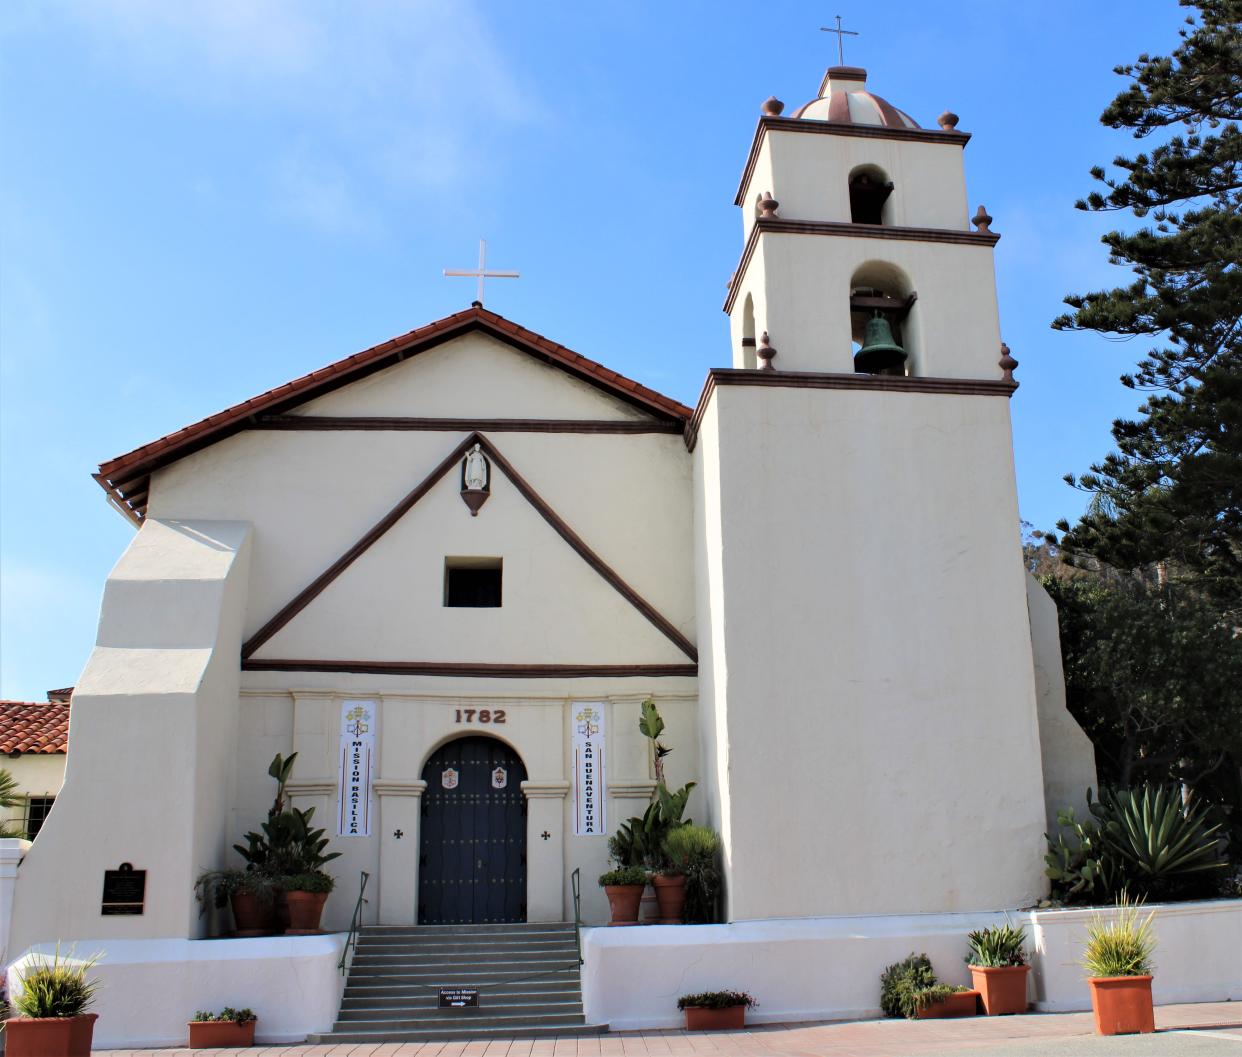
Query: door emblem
[500, 778]
[448, 778]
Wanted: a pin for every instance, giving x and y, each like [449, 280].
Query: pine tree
[1171, 494]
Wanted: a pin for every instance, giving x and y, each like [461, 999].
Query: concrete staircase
[527, 976]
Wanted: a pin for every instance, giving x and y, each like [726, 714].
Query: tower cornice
[842, 229]
[832, 128]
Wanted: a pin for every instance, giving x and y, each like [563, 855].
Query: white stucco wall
[808, 174]
[160, 693]
[12, 851]
[953, 330]
[879, 676]
[829, 968]
[150, 989]
[1067, 753]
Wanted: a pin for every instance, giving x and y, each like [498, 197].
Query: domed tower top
[844, 100]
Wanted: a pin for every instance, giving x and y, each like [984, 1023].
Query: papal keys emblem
[449, 778]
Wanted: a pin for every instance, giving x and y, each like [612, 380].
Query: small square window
[472, 582]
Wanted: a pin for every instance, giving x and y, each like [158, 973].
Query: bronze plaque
[124, 890]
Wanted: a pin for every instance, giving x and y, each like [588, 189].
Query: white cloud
[399, 96]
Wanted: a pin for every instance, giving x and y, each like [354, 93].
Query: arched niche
[749, 359]
[880, 289]
[870, 195]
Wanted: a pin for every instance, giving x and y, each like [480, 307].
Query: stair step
[447, 945]
[534, 1012]
[500, 928]
[460, 973]
[428, 998]
[379, 961]
[467, 1032]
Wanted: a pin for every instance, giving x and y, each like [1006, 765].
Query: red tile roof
[34, 726]
[127, 477]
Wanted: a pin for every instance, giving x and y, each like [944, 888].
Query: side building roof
[34, 726]
[127, 477]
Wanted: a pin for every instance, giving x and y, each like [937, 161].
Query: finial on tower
[772, 107]
[948, 121]
[764, 353]
[768, 206]
[1007, 364]
[981, 220]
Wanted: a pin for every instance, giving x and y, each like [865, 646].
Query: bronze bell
[879, 351]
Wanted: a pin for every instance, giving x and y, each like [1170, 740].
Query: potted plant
[687, 849]
[52, 1022]
[909, 989]
[305, 895]
[624, 888]
[250, 893]
[716, 1010]
[229, 1027]
[1118, 962]
[999, 968]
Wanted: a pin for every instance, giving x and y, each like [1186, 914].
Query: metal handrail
[354, 923]
[575, 880]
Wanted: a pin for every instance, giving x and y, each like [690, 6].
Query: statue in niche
[476, 470]
[475, 478]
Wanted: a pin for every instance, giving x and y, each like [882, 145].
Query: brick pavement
[1201, 1030]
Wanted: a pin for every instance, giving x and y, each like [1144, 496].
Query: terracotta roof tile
[34, 726]
[125, 477]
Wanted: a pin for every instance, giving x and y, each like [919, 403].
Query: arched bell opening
[881, 300]
[870, 191]
[749, 360]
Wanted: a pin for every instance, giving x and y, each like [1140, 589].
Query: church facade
[457, 562]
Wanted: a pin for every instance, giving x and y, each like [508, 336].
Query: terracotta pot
[1122, 1005]
[727, 1018]
[49, 1036]
[958, 1004]
[671, 895]
[650, 914]
[305, 910]
[251, 916]
[1003, 988]
[623, 902]
[208, 1034]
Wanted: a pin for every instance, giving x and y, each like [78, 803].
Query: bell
[879, 351]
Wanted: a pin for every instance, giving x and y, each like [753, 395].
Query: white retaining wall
[149, 989]
[829, 968]
[11, 852]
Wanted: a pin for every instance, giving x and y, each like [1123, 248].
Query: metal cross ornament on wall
[841, 35]
[480, 273]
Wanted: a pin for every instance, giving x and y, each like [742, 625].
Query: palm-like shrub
[56, 987]
[997, 947]
[1156, 836]
[10, 798]
[1121, 947]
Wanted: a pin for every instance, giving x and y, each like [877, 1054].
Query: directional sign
[458, 997]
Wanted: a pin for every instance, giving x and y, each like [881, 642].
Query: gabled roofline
[126, 478]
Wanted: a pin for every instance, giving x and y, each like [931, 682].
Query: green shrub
[228, 1013]
[308, 882]
[215, 887]
[1142, 840]
[685, 844]
[716, 1000]
[997, 947]
[910, 985]
[626, 875]
[57, 987]
[1120, 947]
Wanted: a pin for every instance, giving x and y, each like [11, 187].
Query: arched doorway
[472, 848]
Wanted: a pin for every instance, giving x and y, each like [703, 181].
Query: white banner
[587, 728]
[355, 804]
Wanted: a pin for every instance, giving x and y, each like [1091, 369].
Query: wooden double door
[472, 845]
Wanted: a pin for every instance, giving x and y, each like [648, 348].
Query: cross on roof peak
[480, 273]
[841, 35]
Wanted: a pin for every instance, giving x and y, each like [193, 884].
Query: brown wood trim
[463, 425]
[832, 128]
[838, 228]
[313, 589]
[475, 671]
[566, 533]
[591, 558]
[879, 383]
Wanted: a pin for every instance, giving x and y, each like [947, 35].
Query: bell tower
[868, 701]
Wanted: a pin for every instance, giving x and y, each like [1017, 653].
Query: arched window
[869, 191]
[748, 334]
[881, 327]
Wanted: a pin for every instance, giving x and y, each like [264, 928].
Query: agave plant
[997, 947]
[1157, 836]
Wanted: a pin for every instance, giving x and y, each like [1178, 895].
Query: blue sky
[201, 200]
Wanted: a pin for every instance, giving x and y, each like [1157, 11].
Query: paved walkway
[1204, 1030]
